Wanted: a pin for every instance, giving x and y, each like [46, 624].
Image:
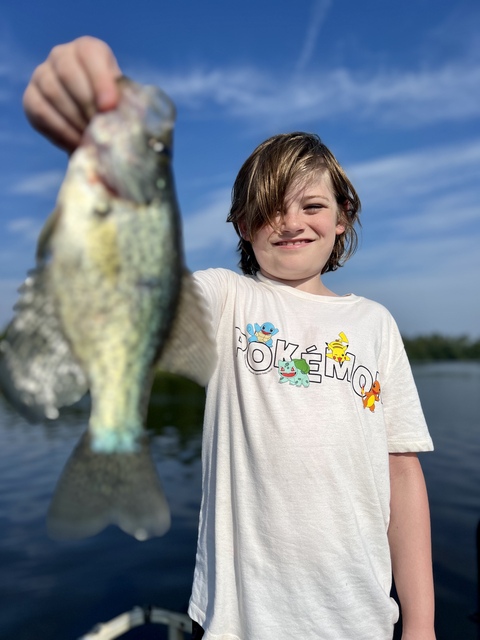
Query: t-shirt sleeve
[407, 430]
[214, 286]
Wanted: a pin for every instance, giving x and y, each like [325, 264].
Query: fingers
[50, 122]
[101, 70]
[76, 81]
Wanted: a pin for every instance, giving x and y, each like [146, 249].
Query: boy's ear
[340, 228]
[342, 218]
[243, 230]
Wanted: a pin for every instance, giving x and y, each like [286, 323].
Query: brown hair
[259, 190]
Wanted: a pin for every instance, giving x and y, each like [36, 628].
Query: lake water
[59, 591]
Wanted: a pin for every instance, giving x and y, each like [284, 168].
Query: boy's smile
[296, 249]
[293, 244]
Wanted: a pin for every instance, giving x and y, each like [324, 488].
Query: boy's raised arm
[75, 81]
[410, 546]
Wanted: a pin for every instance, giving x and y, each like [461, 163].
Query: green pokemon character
[294, 371]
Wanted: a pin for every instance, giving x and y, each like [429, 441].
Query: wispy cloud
[403, 98]
[206, 229]
[421, 230]
[424, 284]
[441, 182]
[44, 183]
[26, 228]
[16, 65]
[319, 13]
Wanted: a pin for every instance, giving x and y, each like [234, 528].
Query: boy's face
[296, 248]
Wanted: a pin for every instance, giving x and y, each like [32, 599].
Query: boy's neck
[312, 285]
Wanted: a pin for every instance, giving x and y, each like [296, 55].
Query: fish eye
[158, 146]
[102, 209]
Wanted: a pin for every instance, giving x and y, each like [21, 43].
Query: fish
[108, 304]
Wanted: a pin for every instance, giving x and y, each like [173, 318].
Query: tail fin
[98, 489]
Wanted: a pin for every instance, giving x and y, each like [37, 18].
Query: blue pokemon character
[262, 333]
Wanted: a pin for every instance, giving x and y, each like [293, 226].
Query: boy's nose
[291, 221]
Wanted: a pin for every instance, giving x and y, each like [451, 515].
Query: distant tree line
[438, 347]
[431, 347]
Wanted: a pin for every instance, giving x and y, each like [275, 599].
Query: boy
[312, 489]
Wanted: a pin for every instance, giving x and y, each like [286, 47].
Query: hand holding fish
[77, 80]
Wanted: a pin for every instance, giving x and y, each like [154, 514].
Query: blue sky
[392, 88]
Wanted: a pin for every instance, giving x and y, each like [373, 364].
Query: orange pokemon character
[371, 396]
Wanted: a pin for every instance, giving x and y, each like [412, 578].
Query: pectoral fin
[38, 372]
[46, 234]
[190, 350]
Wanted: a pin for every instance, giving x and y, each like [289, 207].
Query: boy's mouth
[292, 243]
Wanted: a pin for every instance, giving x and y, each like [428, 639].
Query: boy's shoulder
[216, 272]
[221, 277]
[372, 304]
[371, 308]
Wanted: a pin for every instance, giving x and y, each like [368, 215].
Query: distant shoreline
[431, 348]
[435, 347]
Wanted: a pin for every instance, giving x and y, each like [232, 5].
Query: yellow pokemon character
[337, 350]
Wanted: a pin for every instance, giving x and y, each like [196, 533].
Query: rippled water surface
[53, 590]
[450, 395]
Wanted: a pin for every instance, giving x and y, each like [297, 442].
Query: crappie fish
[109, 301]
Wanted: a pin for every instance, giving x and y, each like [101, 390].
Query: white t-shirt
[309, 396]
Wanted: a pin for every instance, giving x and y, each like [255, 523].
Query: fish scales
[129, 292]
[109, 302]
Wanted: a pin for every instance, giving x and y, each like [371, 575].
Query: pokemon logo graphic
[370, 397]
[337, 349]
[308, 366]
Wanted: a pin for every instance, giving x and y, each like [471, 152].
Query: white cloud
[432, 191]
[429, 304]
[26, 228]
[16, 65]
[381, 96]
[421, 170]
[418, 256]
[428, 286]
[456, 213]
[206, 229]
[319, 13]
[45, 183]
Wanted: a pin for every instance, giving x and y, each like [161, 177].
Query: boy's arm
[410, 546]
